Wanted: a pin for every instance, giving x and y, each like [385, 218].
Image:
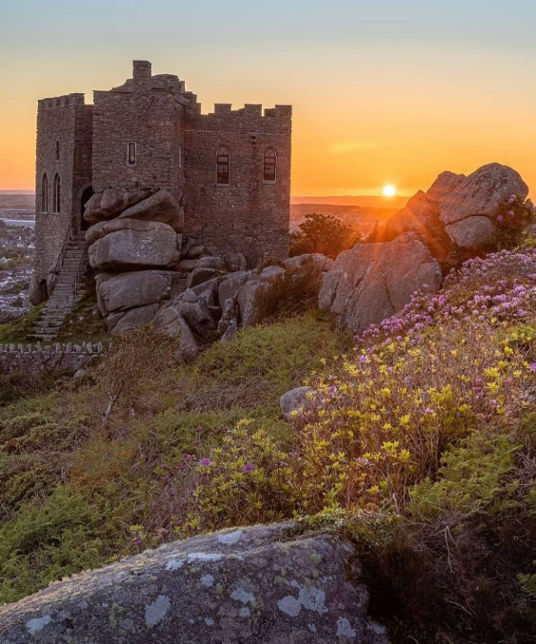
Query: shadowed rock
[161, 206]
[481, 193]
[170, 321]
[370, 282]
[257, 584]
[456, 216]
[131, 289]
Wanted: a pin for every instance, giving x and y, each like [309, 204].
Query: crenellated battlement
[61, 101]
[250, 117]
[280, 112]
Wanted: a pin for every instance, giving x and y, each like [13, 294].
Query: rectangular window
[131, 154]
[222, 168]
[270, 160]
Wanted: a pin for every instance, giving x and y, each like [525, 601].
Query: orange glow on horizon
[339, 148]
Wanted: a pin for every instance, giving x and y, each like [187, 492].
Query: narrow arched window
[270, 162]
[44, 193]
[56, 193]
[57, 151]
[222, 167]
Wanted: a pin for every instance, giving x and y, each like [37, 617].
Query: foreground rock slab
[251, 585]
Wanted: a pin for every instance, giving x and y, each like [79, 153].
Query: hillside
[420, 445]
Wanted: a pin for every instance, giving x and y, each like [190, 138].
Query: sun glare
[389, 190]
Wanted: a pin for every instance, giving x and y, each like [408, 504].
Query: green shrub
[321, 233]
[47, 542]
[290, 293]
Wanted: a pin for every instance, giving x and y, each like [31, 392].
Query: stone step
[46, 328]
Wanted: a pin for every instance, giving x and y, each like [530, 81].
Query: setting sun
[389, 190]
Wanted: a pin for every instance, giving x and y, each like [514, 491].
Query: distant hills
[15, 200]
[356, 211]
[364, 201]
[359, 212]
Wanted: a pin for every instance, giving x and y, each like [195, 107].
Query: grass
[72, 486]
[17, 331]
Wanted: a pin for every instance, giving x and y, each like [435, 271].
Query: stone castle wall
[65, 120]
[249, 215]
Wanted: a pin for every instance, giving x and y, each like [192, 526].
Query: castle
[229, 171]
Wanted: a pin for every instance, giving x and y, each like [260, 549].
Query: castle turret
[141, 71]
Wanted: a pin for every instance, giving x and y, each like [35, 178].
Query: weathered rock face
[371, 282]
[469, 209]
[110, 203]
[161, 206]
[456, 216]
[170, 320]
[296, 400]
[230, 285]
[121, 322]
[131, 245]
[119, 292]
[306, 267]
[257, 584]
[481, 193]
[421, 215]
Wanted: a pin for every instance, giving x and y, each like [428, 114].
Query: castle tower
[138, 133]
[63, 173]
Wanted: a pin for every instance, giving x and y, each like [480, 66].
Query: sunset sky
[384, 92]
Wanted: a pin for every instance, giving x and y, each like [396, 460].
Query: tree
[321, 233]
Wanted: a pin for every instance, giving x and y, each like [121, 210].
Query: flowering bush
[416, 383]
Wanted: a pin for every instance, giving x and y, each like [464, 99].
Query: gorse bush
[321, 233]
[289, 293]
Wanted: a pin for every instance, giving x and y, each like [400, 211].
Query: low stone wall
[36, 357]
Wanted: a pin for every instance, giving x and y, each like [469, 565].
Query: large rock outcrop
[133, 232]
[481, 193]
[457, 216]
[129, 244]
[259, 584]
[371, 282]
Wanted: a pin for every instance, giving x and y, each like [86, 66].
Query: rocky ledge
[258, 584]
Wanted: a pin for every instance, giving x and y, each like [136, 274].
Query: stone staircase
[66, 292]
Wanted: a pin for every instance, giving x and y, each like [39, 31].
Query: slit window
[270, 162]
[180, 157]
[222, 167]
[131, 153]
[57, 151]
[56, 194]
[44, 193]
